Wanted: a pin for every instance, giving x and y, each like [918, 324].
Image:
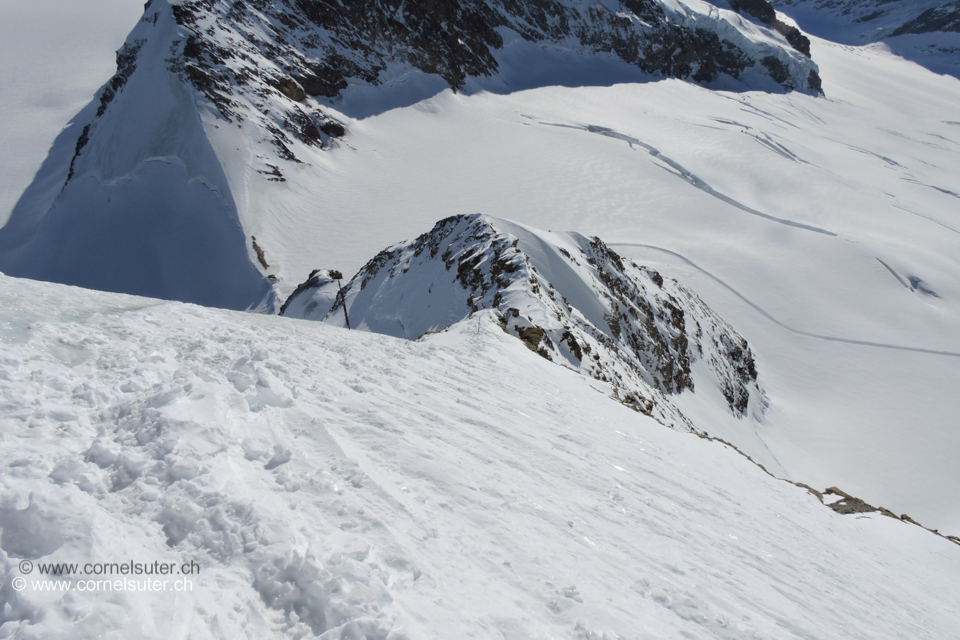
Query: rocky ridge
[924, 31]
[569, 298]
[946, 18]
[882, 17]
[302, 48]
[863, 21]
[248, 54]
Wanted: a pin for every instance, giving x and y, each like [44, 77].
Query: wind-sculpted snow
[569, 298]
[344, 485]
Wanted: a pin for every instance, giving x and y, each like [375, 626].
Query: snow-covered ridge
[569, 298]
[945, 17]
[133, 198]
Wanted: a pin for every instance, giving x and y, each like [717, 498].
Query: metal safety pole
[343, 301]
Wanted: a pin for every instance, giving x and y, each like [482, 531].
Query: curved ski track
[759, 309]
[681, 172]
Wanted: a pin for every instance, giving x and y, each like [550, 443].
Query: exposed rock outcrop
[567, 297]
[765, 13]
[298, 48]
[943, 18]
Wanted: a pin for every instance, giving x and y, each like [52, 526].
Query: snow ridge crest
[567, 297]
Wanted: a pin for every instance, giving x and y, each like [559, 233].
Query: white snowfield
[735, 195]
[824, 230]
[351, 485]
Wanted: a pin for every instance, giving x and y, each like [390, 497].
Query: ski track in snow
[799, 332]
[681, 172]
[919, 215]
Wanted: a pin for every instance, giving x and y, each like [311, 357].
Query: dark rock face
[126, 65]
[943, 18]
[315, 47]
[765, 13]
[759, 9]
[450, 38]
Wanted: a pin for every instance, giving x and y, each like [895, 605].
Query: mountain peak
[569, 298]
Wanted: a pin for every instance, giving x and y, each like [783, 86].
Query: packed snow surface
[348, 484]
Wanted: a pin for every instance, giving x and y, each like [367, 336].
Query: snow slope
[91, 219]
[809, 222]
[924, 31]
[349, 485]
[56, 54]
[823, 229]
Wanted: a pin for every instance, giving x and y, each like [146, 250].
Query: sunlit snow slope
[348, 485]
